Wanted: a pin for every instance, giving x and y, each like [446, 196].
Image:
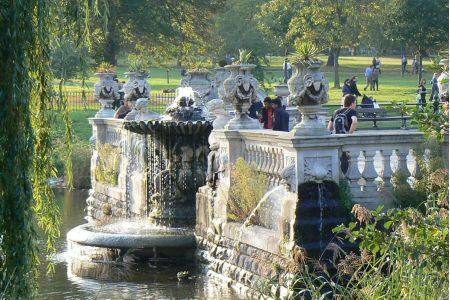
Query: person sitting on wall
[123, 110]
[280, 116]
[266, 116]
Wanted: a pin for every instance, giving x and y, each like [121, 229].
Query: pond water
[74, 279]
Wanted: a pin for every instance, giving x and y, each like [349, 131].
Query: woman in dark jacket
[346, 87]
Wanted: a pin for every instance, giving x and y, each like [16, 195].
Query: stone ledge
[251, 235]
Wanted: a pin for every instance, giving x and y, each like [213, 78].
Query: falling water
[320, 201]
[257, 207]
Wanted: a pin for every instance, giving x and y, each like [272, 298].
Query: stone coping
[287, 139]
[253, 235]
[83, 235]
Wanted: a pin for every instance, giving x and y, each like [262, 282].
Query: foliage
[25, 147]
[106, 67]
[244, 56]
[345, 196]
[137, 63]
[65, 59]
[421, 27]
[304, 50]
[406, 195]
[107, 169]
[236, 27]
[248, 186]
[328, 24]
[404, 251]
[273, 20]
[81, 162]
[433, 124]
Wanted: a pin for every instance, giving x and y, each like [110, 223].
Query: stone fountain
[143, 202]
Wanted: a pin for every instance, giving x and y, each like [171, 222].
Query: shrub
[81, 165]
[248, 186]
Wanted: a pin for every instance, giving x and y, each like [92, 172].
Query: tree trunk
[330, 61]
[419, 73]
[336, 67]
[111, 38]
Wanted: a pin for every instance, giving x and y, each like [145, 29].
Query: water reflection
[75, 279]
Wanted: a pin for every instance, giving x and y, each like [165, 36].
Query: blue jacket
[280, 120]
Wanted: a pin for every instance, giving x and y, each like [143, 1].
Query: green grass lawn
[392, 85]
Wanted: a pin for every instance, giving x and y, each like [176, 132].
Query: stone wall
[245, 257]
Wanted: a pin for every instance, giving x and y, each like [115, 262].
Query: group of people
[372, 73]
[434, 95]
[272, 114]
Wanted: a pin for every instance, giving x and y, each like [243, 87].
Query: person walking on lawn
[368, 74]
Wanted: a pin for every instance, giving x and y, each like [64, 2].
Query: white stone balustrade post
[402, 153]
[353, 174]
[369, 173]
[416, 172]
[386, 170]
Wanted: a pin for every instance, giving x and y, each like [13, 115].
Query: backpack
[340, 122]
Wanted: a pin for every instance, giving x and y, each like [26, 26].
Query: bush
[81, 165]
[248, 186]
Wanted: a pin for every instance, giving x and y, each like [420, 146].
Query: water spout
[266, 196]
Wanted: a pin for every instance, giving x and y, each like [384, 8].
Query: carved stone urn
[200, 83]
[308, 89]
[135, 88]
[106, 91]
[241, 91]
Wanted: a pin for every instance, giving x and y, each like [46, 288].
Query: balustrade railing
[266, 159]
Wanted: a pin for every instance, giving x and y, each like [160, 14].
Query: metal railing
[79, 101]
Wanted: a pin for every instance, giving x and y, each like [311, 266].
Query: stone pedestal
[312, 122]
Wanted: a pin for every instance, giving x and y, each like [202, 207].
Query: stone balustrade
[373, 157]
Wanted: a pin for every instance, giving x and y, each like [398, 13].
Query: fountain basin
[100, 236]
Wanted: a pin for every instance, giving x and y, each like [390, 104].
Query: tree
[25, 147]
[168, 28]
[329, 24]
[273, 20]
[236, 28]
[421, 26]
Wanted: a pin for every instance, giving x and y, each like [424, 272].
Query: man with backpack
[345, 120]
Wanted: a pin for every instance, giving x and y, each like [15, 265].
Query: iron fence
[84, 101]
